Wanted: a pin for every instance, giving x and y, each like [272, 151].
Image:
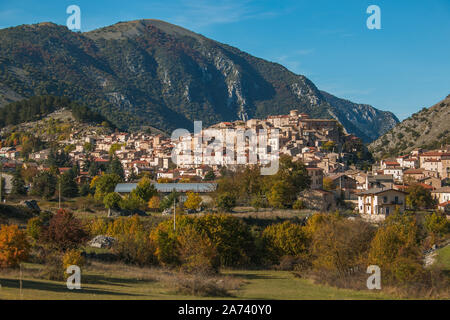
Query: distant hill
[427, 129]
[152, 73]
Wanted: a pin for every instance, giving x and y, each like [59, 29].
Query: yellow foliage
[14, 247]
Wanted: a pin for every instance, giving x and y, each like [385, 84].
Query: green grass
[284, 285]
[135, 283]
[443, 258]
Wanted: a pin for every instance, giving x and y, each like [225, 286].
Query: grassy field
[443, 259]
[122, 282]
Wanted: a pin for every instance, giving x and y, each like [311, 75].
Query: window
[396, 199]
[384, 199]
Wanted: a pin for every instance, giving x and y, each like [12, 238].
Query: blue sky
[402, 68]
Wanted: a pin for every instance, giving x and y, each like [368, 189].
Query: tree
[64, 231]
[419, 198]
[209, 176]
[396, 244]
[340, 246]
[132, 202]
[115, 167]
[154, 203]
[145, 189]
[193, 201]
[14, 247]
[285, 239]
[104, 184]
[112, 200]
[281, 195]
[167, 202]
[69, 187]
[2, 189]
[18, 184]
[328, 184]
[226, 201]
[44, 185]
[329, 146]
[437, 224]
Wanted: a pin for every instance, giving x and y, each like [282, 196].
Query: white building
[380, 201]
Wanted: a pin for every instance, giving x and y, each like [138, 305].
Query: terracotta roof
[413, 171]
[444, 204]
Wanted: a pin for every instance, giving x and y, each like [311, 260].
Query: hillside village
[327, 151]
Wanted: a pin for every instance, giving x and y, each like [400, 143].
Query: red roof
[434, 154]
[392, 163]
[413, 171]
[444, 204]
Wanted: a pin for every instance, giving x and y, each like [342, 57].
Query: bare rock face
[152, 73]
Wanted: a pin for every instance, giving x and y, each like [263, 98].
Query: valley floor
[113, 283]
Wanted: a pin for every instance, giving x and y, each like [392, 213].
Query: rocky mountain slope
[150, 72]
[427, 129]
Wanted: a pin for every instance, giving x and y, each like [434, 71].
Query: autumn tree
[419, 197]
[14, 247]
[64, 231]
[145, 189]
[193, 201]
[112, 200]
[104, 184]
[154, 203]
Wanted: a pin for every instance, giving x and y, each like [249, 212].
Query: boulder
[102, 242]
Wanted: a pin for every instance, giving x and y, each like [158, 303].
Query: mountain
[152, 73]
[427, 129]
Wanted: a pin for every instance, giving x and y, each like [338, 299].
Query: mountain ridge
[150, 72]
[428, 128]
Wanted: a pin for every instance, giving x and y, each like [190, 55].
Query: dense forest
[39, 106]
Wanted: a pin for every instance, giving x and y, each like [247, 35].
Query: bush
[34, 228]
[395, 246]
[226, 201]
[72, 257]
[14, 247]
[199, 285]
[340, 246]
[230, 237]
[298, 205]
[285, 239]
[196, 251]
[135, 248]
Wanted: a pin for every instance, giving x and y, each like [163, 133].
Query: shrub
[230, 236]
[437, 224]
[34, 228]
[135, 248]
[193, 201]
[14, 247]
[298, 205]
[72, 257]
[196, 251]
[340, 247]
[395, 245]
[285, 239]
[154, 203]
[226, 201]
